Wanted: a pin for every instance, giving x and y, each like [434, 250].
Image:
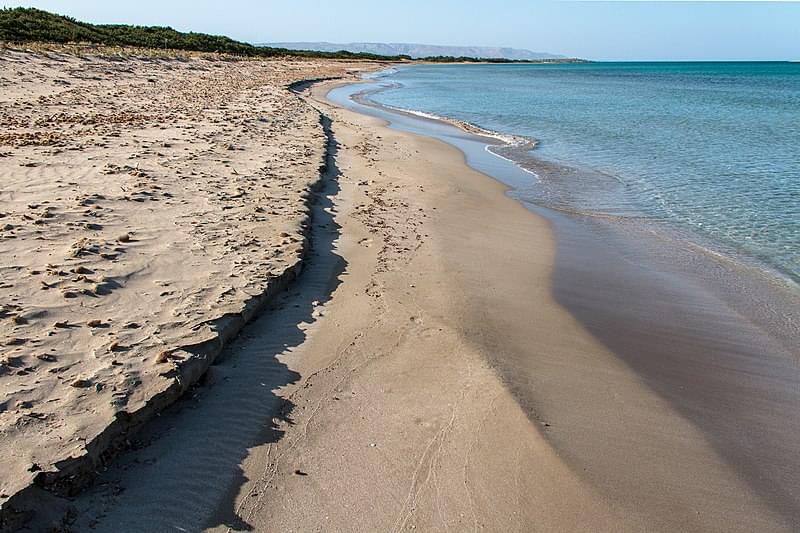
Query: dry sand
[148, 207]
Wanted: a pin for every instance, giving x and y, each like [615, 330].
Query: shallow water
[709, 148]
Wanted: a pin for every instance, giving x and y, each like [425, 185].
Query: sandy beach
[515, 374]
[151, 204]
[447, 360]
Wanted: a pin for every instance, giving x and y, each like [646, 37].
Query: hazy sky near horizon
[601, 30]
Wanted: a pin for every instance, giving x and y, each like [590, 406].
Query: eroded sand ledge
[150, 206]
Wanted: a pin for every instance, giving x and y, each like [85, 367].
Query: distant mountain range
[421, 50]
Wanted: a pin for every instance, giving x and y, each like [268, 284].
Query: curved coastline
[563, 197]
[714, 339]
[760, 291]
[608, 144]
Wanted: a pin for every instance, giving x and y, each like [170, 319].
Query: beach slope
[151, 204]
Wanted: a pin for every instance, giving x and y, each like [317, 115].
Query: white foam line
[380, 74]
[488, 148]
[508, 139]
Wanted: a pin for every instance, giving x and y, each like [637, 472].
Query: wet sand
[685, 414]
[715, 339]
[714, 369]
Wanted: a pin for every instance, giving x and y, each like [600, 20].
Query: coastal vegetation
[26, 25]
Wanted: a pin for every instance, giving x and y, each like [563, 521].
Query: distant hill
[25, 25]
[422, 50]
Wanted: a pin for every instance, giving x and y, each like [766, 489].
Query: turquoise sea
[711, 149]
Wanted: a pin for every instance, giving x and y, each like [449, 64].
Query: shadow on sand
[184, 472]
[713, 366]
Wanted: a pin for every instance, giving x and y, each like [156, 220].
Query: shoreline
[522, 146]
[763, 292]
[662, 302]
[374, 376]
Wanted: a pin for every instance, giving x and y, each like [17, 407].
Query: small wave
[506, 138]
[469, 127]
[516, 149]
[521, 167]
[379, 74]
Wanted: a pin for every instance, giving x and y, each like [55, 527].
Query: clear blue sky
[625, 30]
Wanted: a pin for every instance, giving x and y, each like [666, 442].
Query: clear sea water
[711, 148]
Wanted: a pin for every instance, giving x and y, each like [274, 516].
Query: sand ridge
[143, 200]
